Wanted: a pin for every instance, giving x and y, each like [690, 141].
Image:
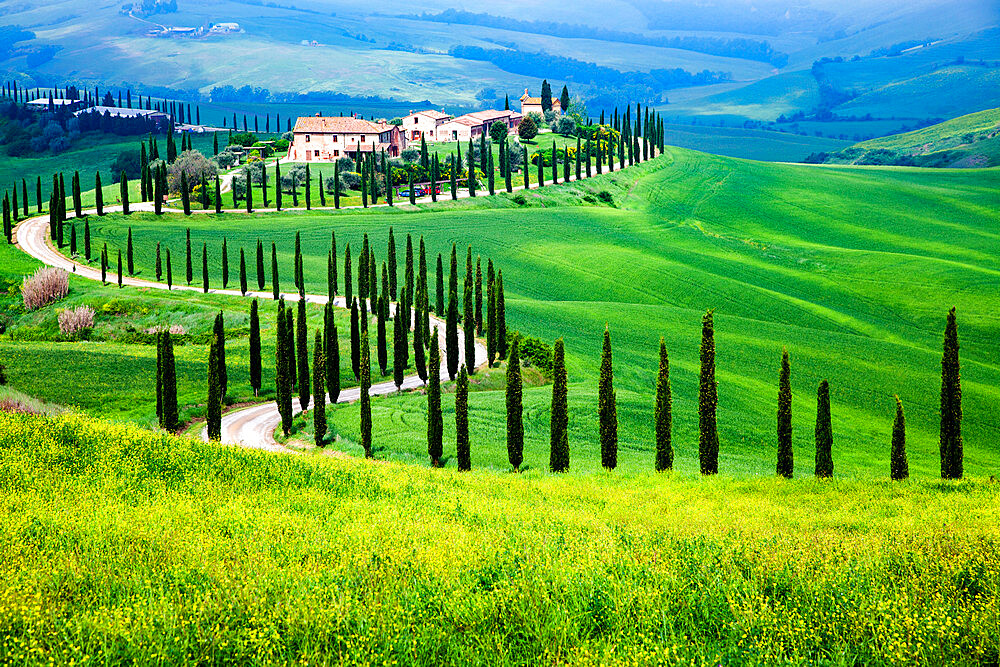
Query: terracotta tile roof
[339, 124]
[436, 115]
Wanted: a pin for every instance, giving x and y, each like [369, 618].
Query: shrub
[519, 199]
[194, 166]
[409, 155]
[44, 287]
[350, 180]
[77, 320]
[534, 352]
[606, 197]
[566, 126]
[498, 130]
[527, 129]
[3, 375]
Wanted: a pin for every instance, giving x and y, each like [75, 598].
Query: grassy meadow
[121, 546]
[851, 269]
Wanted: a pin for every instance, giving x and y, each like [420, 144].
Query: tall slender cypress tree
[559, 422]
[399, 348]
[302, 354]
[382, 343]
[435, 420]
[275, 286]
[491, 324]
[104, 265]
[355, 341]
[824, 432]
[951, 404]
[260, 265]
[243, 273]
[419, 361]
[663, 416]
[469, 330]
[292, 379]
[281, 370]
[159, 378]
[119, 268]
[319, 390]
[785, 466]
[308, 189]
[899, 467]
[170, 272]
[331, 268]
[708, 436]
[168, 376]
[130, 262]
[123, 193]
[218, 195]
[225, 263]
[204, 268]
[348, 278]
[255, 357]
[478, 321]
[186, 194]
[393, 265]
[439, 288]
[462, 421]
[607, 409]
[331, 344]
[86, 240]
[451, 334]
[213, 406]
[515, 409]
[220, 331]
[98, 194]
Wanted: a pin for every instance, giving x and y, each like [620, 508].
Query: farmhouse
[158, 118]
[325, 139]
[472, 125]
[425, 124]
[223, 28]
[534, 104]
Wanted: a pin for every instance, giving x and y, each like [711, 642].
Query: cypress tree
[220, 331]
[462, 421]
[383, 354]
[204, 193]
[708, 436]
[424, 295]
[8, 230]
[439, 285]
[451, 334]
[372, 284]
[281, 370]
[213, 408]
[260, 265]
[277, 184]
[243, 273]
[607, 410]
[366, 399]
[158, 194]
[391, 258]
[663, 416]
[275, 286]
[322, 191]
[38, 194]
[491, 170]
[399, 348]
[559, 423]
[491, 324]
[302, 354]
[786, 464]
[824, 432]
[501, 319]
[119, 268]
[332, 346]
[168, 375]
[170, 272]
[186, 194]
[204, 267]
[159, 378]
[225, 263]
[189, 266]
[290, 355]
[541, 170]
[218, 195]
[555, 164]
[355, 341]
[413, 194]
[515, 416]
[478, 315]
[899, 468]
[526, 170]
[159, 263]
[419, 361]
[249, 197]
[297, 269]
[951, 404]
[363, 259]
[435, 420]
[308, 189]
[364, 182]
[336, 185]
[72, 239]
[255, 356]
[124, 194]
[98, 194]
[319, 390]
[130, 263]
[408, 277]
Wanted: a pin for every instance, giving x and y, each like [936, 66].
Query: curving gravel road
[248, 427]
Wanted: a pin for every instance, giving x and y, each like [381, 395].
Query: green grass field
[122, 546]
[851, 269]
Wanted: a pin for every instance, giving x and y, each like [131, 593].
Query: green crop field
[851, 269]
[122, 546]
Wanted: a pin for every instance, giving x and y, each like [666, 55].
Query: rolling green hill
[851, 269]
[968, 141]
[122, 546]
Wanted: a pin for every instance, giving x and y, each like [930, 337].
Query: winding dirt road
[248, 427]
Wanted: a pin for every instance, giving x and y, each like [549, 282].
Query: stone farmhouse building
[473, 125]
[534, 104]
[424, 124]
[326, 139]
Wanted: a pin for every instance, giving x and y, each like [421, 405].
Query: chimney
[317, 114]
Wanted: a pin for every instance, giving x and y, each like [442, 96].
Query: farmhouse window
[362, 138]
[307, 138]
[316, 153]
[335, 138]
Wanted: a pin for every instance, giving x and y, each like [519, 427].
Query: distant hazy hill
[968, 141]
